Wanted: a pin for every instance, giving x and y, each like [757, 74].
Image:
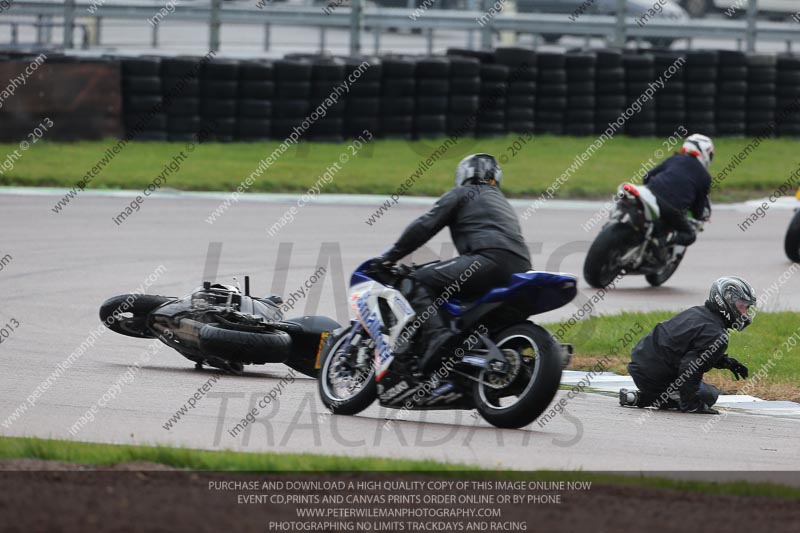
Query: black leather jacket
[682, 181]
[681, 349]
[479, 216]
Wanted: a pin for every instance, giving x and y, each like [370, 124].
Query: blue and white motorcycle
[502, 364]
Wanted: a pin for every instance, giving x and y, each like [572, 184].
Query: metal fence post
[619, 34]
[40, 29]
[214, 25]
[486, 30]
[98, 29]
[752, 10]
[355, 27]
[69, 23]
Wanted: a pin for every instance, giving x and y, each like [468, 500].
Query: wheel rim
[341, 379]
[528, 351]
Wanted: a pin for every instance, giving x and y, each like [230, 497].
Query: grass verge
[756, 347]
[381, 166]
[109, 454]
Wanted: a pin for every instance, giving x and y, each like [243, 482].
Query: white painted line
[354, 199]
[611, 382]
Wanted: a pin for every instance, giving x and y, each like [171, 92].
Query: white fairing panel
[652, 211]
[364, 299]
[649, 199]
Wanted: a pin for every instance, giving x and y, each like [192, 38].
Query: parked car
[670, 11]
[773, 8]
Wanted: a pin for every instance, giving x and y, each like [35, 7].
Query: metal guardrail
[356, 17]
[41, 27]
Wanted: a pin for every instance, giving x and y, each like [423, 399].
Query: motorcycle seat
[520, 284]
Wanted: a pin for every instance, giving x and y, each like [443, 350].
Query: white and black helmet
[735, 300]
[701, 147]
[480, 168]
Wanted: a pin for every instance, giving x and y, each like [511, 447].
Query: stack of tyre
[670, 99]
[465, 87]
[398, 87]
[290, 105]
[180, 87]
[762, 75]
[581, 100]
[256, 91]
[363, 98]
[326, 75]
[640, 72]
[551, 101]
[788, 95]
[732, 94]
[219, 93]
[701, 71]
[141, 90]
[521, 88]
[610, 98]
[492, 111]
[431, 102]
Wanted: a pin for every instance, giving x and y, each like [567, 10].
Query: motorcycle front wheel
[127, 314]
[791, 244]
[602, 264]
[516, 398]
[346, 380]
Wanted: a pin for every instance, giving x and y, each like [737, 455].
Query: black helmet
[734, 299]
[479, 168]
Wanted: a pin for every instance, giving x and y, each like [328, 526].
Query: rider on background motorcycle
[681, 183]
[486, 232]
[669, 362]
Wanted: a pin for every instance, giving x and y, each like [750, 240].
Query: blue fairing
[540, 292]
[358, 275]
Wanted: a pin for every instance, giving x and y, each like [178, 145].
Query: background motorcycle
[219, 326]
[505, 366]
[631, 242]
[791, 243]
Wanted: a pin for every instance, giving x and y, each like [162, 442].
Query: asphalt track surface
[64, 265]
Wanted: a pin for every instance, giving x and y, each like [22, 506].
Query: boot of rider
[435, 332]
[683, 238]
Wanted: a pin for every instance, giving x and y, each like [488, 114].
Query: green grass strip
[203, 460]
[530, 167]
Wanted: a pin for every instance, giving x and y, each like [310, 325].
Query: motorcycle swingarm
[489, 358]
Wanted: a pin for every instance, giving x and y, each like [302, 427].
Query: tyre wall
[465, 92]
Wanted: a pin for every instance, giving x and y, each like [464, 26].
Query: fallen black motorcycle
[219, 326]
[632, 242]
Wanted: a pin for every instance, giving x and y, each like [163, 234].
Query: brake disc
[497, 380]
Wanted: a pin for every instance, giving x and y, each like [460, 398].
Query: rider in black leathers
[682, 183]
[668, 364]
[487, 235]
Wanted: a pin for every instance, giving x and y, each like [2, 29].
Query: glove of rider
[737, 368]
[699, 408]
[380, 263]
